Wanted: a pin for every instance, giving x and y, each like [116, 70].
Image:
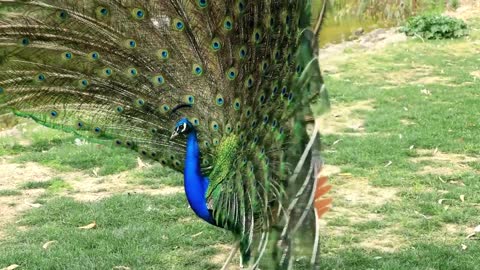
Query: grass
[384, 217]
[54, 185]
[141, 232]
[412, 230]
[9, 192]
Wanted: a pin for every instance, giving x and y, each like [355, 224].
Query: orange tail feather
[322, 205]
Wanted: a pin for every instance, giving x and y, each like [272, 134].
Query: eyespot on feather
[163, 54]
[138, 13]
[228, 23]
[40, 78]
[202, 3]
[158, 80]
[178, 25]
[106, 72]
[219, 100]
[102, 12]
[216, 45]
[132, 72]
[130, 44]
[189, 99]
[232, 73]
[164, 108]
[94, 56]
[197, 70]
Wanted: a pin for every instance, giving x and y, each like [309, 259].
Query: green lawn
[398, 197]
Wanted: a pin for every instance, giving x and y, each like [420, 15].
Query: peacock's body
[235, 77]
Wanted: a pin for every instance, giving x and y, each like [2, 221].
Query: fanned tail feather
[321, 204]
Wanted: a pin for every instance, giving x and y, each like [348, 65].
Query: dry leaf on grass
[442, 200]
[47, 244]
[141, 164]
[464, 247]
[89, 226]
[11, 267]
[426, 92]
[337, 141]
[95, 172]
[454, 182]
[474, 233]
[34, 205]
[197, 234]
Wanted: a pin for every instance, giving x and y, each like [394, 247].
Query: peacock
[219, 90]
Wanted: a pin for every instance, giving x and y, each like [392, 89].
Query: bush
[435, 27]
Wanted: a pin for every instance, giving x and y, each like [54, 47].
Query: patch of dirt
[455, 230]
[334, 55]
[475, 74]
[356, 192]
[443, 163]
[386, 240]
[352, 195]
[329, 170]
[432, 80]
[222, 255]
[419, 74]
[342, 117]
[16, 132]
[407, 122]
[84, 187]
[468, 9]
[12, 176]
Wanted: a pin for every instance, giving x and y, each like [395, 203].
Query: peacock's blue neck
[195, 183]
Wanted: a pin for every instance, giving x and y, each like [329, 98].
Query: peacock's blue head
[183, 126]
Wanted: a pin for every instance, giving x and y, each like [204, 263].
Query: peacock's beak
[174, 134]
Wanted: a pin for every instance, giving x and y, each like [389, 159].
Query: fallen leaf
[337, 141]
[426, 92]
[47, 244]
[454, 182]
[34, 205]
[11, 267]
[464, 247]
[470, 235]
[462, 198]
[89, 226]
[197, 234]
[405, 108]
[441, 201]
[142, 164]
